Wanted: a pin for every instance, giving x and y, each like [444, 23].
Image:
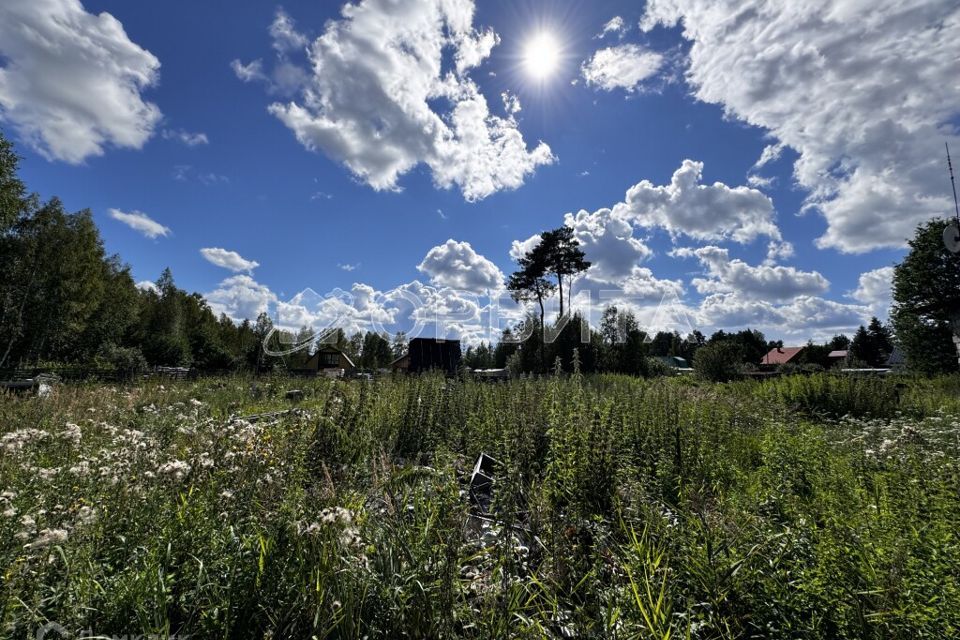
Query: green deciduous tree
[926, 286]
[62, 296]
[718, 361]
[14, 200]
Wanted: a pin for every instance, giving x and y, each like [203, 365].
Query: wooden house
[401, 364]
[781, 355]
[328, 361]
[837, 358]
[674, 362]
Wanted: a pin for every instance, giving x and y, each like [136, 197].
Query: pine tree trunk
[560, 283]
[542, 334]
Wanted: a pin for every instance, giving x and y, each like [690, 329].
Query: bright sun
[541, 55]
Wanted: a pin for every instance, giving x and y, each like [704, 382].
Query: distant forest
[67, 302]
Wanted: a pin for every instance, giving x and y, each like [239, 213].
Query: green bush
[835, 395]
[123, 359]
[658, 368]
[718, 362]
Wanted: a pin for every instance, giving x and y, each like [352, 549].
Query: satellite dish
[951, 237]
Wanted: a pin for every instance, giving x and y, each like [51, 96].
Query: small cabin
[429, 354]
[675, 362]
[328, 360]
[837, 357]
[896, 360]
[401, 364]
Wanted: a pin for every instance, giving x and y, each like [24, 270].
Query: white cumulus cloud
[865, 93]
[228, 260]
[457, 265]
[241, 298]
[622, 67]
[520, 248]
[616, 24]
[606, 238]
[874, 289]
[188, 138]
[249, 72]
[378, 100]
[71, 81]
[762, 282]
[284, 33]
[141, 222]
[700, 211]
[805, 317]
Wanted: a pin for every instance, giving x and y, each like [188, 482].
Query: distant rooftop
[781, 355]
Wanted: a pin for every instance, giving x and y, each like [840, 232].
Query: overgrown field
[624, 508]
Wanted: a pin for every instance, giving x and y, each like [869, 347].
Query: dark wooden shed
[433, 354]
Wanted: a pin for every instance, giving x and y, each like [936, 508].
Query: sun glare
[541, 57]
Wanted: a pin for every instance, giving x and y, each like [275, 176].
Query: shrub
[788, 368]
[658, 368]
[718, 362]
[823, 394]
[126, 359]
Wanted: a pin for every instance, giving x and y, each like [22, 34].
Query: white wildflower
[336, 514]
[80, 469]
[48, 474]
[86, 516]
[351, 537]
[28, 527]
[176, 468]
[72, 433]
[15, 441]
[49, 537]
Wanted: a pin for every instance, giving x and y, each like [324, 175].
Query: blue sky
[322, 144]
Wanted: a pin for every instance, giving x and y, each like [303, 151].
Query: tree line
[66, 301]
[620, 345]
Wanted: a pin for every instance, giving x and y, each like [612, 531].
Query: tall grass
[804, 507]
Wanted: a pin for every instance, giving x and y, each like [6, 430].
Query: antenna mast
[953, 183]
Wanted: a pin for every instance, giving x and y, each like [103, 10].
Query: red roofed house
[780, 355]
